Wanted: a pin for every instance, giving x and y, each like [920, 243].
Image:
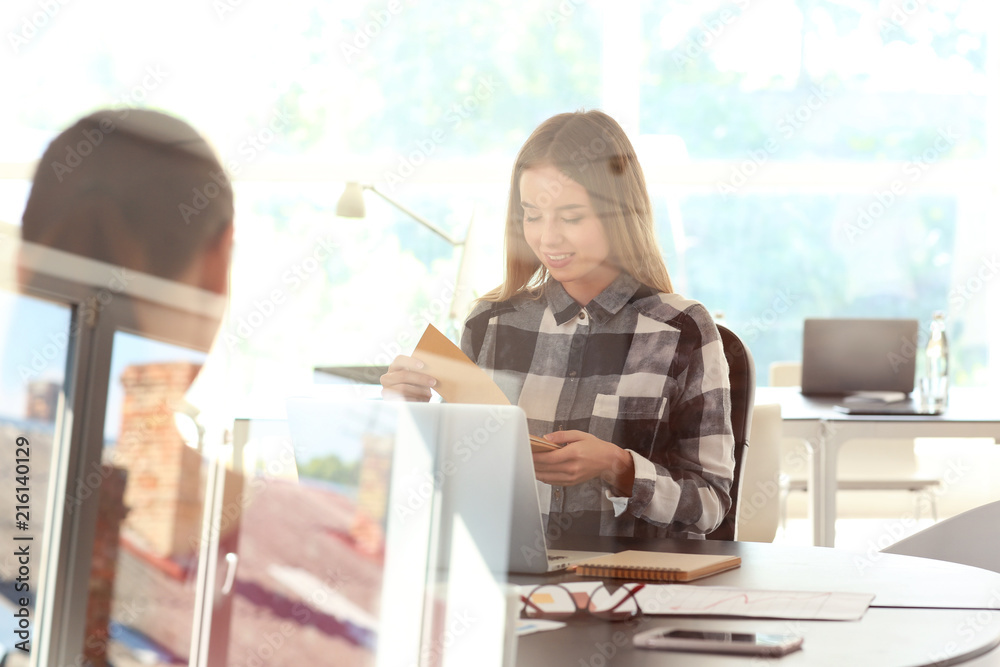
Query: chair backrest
[785, 374]
[969, 538]
[762, 493]
[742, 384]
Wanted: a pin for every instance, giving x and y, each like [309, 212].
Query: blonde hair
[591, 148]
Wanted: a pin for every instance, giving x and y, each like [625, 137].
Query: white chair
[878, 465]
[969, 538]
[760, 501]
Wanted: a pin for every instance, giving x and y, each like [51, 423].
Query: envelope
[459, 380]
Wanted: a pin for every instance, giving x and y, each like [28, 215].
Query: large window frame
[98, 312]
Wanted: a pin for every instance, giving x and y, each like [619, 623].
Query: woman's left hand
[584, 457]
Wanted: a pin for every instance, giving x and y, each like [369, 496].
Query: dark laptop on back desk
[868, 365]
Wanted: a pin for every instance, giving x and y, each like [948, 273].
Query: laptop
[529, 552]
[486, 457]
[475, 475]
[867, 363]
[424, 491]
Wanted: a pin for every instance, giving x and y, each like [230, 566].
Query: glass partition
[34, 346]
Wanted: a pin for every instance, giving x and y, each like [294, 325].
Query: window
[805, 157]
[857, 131]
[34, 344]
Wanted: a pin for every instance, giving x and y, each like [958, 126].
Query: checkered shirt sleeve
[642, 369]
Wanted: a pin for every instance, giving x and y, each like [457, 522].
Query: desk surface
[924, 611]
[967, 404]
[972, 413]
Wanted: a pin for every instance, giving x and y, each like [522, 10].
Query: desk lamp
[352, 205]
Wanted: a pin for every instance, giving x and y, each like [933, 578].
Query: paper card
[543, 445]
[459, 380]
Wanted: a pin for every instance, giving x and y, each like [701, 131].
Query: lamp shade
[352, 203]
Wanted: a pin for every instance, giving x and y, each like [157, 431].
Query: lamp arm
[426, 223]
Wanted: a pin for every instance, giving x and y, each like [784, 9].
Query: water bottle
[934, 385]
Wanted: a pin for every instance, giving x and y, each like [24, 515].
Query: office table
[972, 413]
[925, 612]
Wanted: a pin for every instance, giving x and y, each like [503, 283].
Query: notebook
[656, 566]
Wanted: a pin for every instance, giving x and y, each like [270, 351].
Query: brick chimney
[164, 474]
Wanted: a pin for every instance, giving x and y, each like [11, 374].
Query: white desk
[925, 612]
[972, 413]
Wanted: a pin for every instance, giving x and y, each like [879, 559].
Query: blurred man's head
[138, 189]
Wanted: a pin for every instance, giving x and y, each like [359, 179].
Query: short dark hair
[134, 188]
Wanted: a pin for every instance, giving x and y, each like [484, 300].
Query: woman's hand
[405, 381]
[584, 457]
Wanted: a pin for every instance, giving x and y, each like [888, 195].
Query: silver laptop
[870, 364]
[845, 356]
[486, 458]
[428, 499]
[476, 476]
[529, 551]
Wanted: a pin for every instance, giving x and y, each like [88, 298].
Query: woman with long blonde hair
[587, 336]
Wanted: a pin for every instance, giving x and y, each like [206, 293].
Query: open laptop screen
[423, 493]
[842, 356]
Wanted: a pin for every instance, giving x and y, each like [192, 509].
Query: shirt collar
[601, 309]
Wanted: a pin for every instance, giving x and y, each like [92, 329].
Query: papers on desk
[687, 600]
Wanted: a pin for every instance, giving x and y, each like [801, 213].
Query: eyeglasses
[556, 602]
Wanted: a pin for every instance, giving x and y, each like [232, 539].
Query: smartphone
[711, 641]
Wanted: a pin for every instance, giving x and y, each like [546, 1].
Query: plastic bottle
[935, 380]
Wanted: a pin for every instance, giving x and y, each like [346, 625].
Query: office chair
[764, 487]
[742, 383]
[969, 538]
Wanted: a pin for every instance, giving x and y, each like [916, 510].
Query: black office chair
[742, 383]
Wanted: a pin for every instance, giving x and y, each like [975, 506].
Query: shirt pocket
[631, 422]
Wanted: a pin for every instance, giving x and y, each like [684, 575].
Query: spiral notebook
[656, 566]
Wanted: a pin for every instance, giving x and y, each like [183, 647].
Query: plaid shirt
[635, 367]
